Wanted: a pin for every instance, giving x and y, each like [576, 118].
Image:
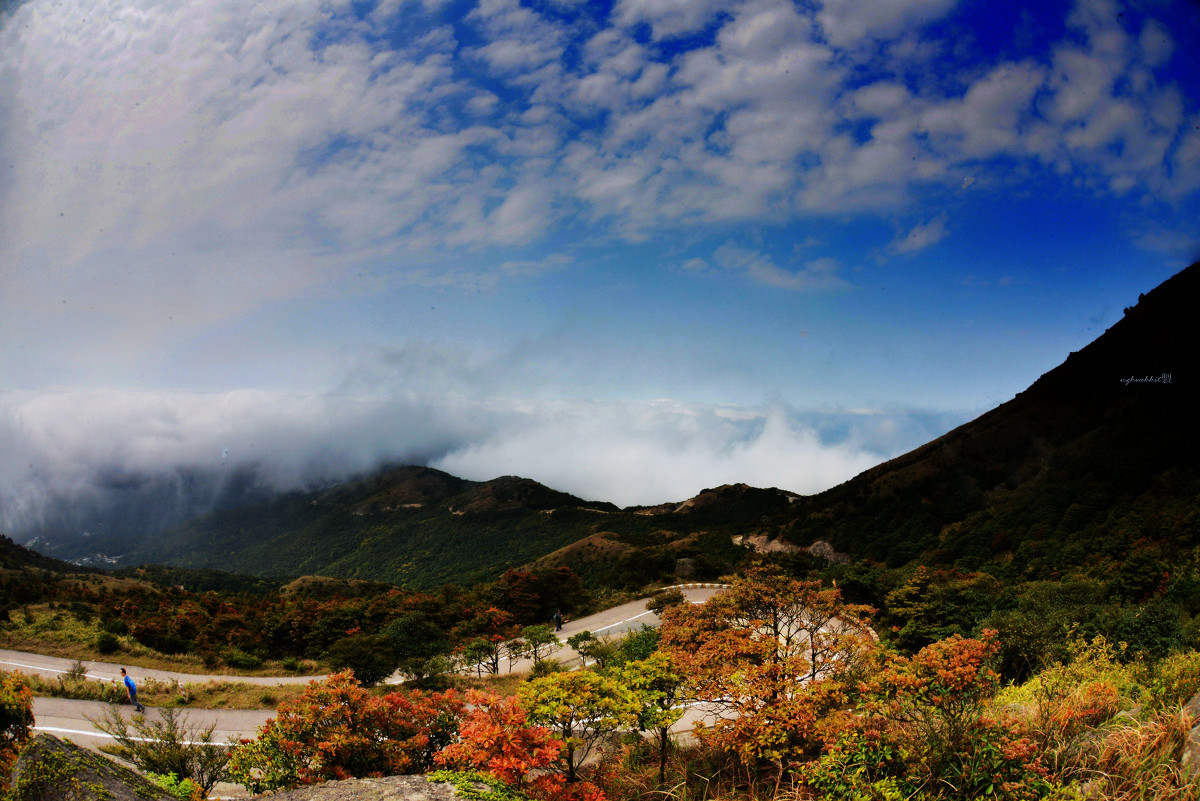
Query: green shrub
[184, 789]
[369, 656]
[237, 658]
[1174, 680]
[546, 667]
[107, 642]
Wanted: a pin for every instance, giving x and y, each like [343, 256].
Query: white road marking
[106, 736]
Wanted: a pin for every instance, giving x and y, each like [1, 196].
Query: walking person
[131, 688]
[558, 621]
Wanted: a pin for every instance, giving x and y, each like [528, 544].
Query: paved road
[72, 719]
[618, 620]
[52, 667]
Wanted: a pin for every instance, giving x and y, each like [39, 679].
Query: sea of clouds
[88, 450]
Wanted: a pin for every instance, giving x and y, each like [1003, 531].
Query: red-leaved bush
[495, 738]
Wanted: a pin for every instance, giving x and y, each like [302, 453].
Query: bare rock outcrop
[388, 788]
[50, 769]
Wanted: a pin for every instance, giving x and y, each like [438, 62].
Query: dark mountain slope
[412, 526]
[18, 557]
[1099, 454]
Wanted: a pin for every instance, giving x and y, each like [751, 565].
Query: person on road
[131, 688]
[558, 619]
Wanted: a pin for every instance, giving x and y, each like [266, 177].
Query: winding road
[72, 719]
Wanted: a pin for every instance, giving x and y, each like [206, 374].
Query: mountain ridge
[1102, 448]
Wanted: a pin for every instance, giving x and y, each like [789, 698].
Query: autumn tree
[532, 596]
[768, 654]
[485, 635]
[924, 731]
[497, 737]
[939, 693]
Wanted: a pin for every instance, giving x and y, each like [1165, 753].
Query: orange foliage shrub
[496, 738]
[337, 730]
[16, 721]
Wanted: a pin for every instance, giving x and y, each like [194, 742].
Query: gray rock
[50, 769]
[1189, 759]
[388, 788]
[1192, 707]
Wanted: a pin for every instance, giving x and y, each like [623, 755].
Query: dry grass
[168, 693]
[694, 773]
[1139, 762]
[504, 684]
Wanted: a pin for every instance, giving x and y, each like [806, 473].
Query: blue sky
[630, 249]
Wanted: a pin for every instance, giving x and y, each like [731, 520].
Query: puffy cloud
[668, 18]
[653, 453]
[847, 22]
[170, 167]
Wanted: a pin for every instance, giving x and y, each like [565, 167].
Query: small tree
[496, 737]
[658, 688]
[600, 650]
[581, 707]
[537, 642]
[418, 644]
[672, 596]
[482, 655]
[371, 658]
[770, 652]
[940, 692]
[486, 634]
[638, 644]
[166, 745]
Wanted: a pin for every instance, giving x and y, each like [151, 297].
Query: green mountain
[419, 527]
[1095, 467]
[412, 526]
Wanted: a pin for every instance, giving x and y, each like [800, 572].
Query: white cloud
[990, 118]
[847, 22]
[668, 18]
[64, 448]
[816, 275]
[170, 167]
[640, 455]
[1156, 43]
[922, 236]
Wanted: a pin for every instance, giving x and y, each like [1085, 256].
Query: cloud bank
[75, 449]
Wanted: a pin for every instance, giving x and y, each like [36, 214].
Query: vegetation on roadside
[824, 710]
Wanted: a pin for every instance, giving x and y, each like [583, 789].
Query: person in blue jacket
[131, 688]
